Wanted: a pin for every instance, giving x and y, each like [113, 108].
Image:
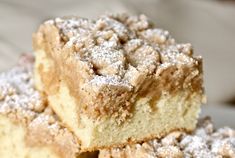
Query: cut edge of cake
[204, 141]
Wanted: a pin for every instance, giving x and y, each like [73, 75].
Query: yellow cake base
[179, 112]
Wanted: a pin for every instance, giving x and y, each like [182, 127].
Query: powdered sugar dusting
[110, 80]
[18, 97]
[114, 42]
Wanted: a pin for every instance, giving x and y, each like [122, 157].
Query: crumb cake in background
[204, 142]
[117, 79]
[29, 129]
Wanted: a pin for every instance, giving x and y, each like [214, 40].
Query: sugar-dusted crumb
[112, 43]
[116, 59]
[204, 142]
[19, 100]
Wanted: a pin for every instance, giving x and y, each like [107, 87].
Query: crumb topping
[204, 142]
[112, 61]
[18, 96]
[113, 43]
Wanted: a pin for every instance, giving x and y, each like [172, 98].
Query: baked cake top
[115, 46]
[111, 62]
[20, 102]
[205, 141]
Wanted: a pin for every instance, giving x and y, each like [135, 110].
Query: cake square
[28, 127]
[117, 79]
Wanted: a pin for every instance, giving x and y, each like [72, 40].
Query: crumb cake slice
[29, 129]
[204, 142]
[117, 79]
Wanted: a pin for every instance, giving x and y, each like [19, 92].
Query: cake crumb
[204, 142]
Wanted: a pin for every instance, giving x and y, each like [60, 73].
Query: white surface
[222, 115]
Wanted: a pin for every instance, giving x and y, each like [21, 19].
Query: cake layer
[170, 113]
[28, 128]
[205, 141]
[100, 71]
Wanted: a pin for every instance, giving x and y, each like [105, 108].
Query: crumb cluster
[112, 44]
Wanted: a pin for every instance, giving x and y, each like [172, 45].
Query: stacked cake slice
[28, 127]
[117, 80]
